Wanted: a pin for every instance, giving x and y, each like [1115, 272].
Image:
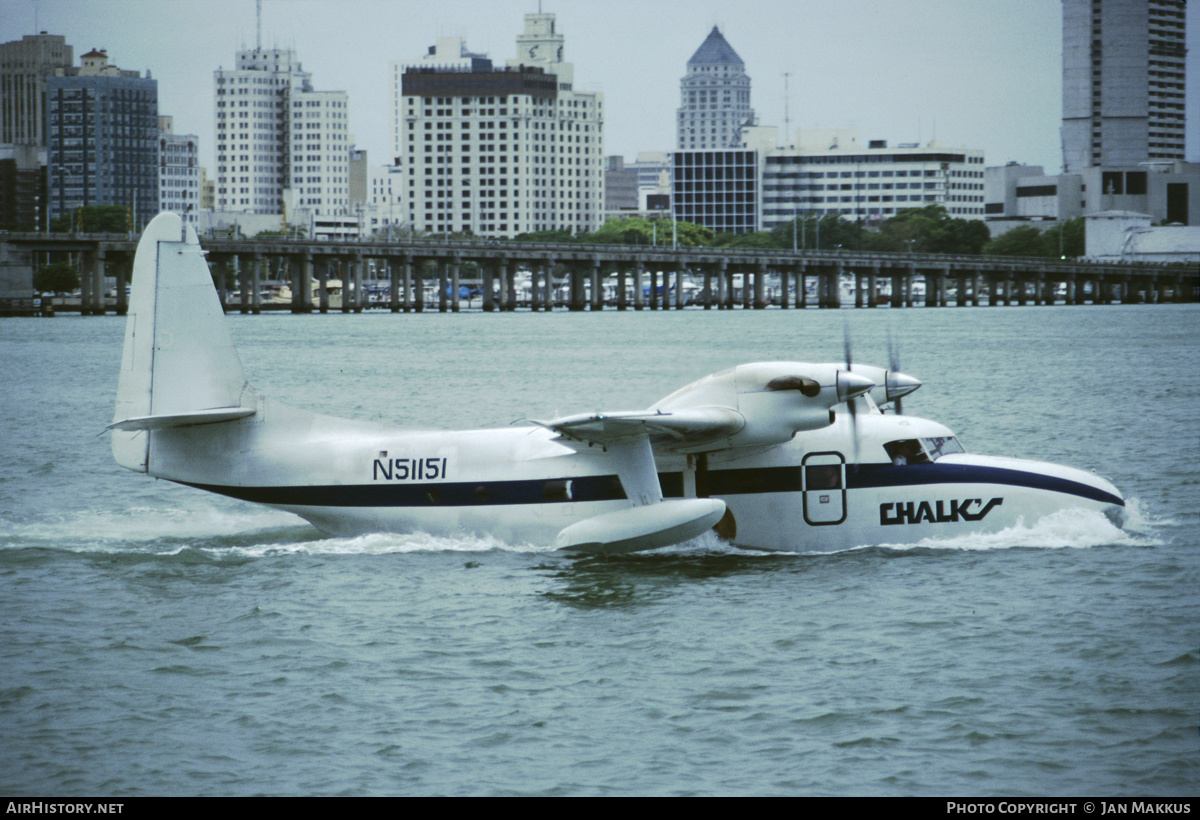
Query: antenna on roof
[258, 40]
[787, 120]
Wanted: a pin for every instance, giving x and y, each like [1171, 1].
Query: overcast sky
[970, 73]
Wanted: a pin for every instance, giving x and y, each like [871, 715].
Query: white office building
[832, 172]
[761, 186]
[499, 151]
[280, 144]
[446, 54]
[178, 171]
[385, 203]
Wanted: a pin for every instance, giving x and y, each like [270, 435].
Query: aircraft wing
[746, 406]
[628, 440]
[680, 429]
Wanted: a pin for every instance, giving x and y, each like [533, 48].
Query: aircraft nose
[851, 385]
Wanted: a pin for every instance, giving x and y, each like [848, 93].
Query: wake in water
[385, 543]
[252, 532]
[1077, 529]
[260, 532]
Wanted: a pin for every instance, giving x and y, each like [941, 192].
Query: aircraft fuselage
[521, 485]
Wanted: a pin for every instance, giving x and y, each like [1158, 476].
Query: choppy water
[156, 640]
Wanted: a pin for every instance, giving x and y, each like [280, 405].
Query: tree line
[915, 230]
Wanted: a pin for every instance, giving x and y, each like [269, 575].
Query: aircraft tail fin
[179, 366]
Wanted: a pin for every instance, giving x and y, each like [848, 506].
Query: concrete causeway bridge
[425, 274]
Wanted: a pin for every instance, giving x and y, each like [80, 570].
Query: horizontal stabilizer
[162, 422]
[642, 528]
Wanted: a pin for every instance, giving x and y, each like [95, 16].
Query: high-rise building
[278, 140]
[1123, 82]
[178, 171]
[102, 139]
[499, 151]
[714, 97]
[24, 66]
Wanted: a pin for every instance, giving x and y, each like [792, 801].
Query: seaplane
[782, 456]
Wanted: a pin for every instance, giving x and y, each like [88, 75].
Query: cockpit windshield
[922, 450]
[939, 446]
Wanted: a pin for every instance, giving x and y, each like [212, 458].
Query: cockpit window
[941, 446]
[906, 451]
[923, 450]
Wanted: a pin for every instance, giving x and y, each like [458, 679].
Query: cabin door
[824, 479]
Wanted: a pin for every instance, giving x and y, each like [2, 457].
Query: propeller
[898, 384]
[850, 378]
[893, 367]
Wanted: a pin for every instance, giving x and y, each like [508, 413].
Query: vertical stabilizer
[179, 365]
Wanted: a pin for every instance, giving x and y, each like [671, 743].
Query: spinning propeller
[898, 384]
[851, 403]
[887, 385]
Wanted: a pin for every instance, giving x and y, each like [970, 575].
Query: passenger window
[823, 477]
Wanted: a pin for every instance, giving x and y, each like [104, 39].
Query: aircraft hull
[375, 478]
[883, 504]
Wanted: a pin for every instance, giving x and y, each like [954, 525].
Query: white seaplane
[774, 456]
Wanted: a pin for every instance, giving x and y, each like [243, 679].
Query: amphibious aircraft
[774, 456]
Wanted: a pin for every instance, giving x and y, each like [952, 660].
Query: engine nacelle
[776, 399]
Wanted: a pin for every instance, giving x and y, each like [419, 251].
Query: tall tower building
[279, 140]
[1123, 82]
[102, 139]
[499, 151]
[714, 97]
[24, 66]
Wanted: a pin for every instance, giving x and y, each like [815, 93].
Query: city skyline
[980, 74]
